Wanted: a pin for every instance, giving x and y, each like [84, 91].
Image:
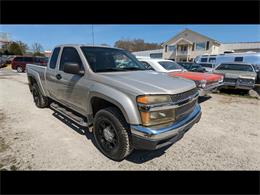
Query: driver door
[71, 85]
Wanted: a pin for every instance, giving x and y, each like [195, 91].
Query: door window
[70, 55]
[18, 59]
[147, 66]
[28, 59]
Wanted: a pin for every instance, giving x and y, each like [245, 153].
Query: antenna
[93, 34]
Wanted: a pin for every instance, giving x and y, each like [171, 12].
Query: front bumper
[209, 88]
[238, 85]
[150, 139]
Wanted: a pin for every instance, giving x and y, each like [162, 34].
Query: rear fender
[35, 75]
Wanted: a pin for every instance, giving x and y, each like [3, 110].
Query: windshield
[235, 67]
[170, 65]
[111, 60]
[206, 65]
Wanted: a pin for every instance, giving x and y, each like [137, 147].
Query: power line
[93, 34]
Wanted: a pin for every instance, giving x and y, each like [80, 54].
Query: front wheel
[112, 134]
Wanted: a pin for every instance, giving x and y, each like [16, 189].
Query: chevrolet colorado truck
[110, 93]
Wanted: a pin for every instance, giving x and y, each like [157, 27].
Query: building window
[201, 46]
[172, 47]
[165, 49]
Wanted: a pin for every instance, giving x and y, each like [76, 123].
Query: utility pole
[93, 35]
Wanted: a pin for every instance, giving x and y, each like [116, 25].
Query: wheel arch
[123, 104]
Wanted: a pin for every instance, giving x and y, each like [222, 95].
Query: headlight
[221, 79]
[153, 99]
[157, 117]
[201, 83]
[161, 115]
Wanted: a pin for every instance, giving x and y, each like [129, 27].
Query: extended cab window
[54, 58]
[70, 55]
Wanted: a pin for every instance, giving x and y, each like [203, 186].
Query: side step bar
[70, 115]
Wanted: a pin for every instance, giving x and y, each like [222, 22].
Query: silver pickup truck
[110, 93]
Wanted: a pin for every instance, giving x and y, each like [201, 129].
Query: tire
[118, 145]
[39, 100]
[19, 69]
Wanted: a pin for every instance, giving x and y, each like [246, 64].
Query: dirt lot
[226, 138]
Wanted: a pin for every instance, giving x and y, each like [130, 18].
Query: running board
[70, 115]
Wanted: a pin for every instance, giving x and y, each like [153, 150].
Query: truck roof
[85, 45]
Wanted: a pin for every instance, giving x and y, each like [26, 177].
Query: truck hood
[196, 76]
[145, 82]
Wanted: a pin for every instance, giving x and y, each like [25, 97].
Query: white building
[4, 38]
[187, 45]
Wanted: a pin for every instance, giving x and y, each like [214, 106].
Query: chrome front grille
[246, 81]
[230, 80]
[184, 96]
[185, 110]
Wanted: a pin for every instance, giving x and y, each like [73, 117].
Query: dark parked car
[19, 62]
[193, 67]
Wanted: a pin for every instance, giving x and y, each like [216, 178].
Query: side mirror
[72, 68]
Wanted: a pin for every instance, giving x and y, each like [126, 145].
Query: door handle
[58, 76]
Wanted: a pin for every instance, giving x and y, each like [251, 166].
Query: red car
[205, 81]
[19, 62]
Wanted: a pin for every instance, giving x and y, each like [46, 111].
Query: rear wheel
[19, 69]
[39, 100]
[112, 134]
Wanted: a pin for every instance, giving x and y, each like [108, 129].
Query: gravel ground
[226, 138]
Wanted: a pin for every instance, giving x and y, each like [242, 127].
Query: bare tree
[37, 48]
[136, 45]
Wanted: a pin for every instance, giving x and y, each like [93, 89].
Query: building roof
[188, 30]
[182, 39]
[147, 52]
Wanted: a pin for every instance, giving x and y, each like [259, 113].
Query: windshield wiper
[108, 70]
[132, 68]
[118, 69]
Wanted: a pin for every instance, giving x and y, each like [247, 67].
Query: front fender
[126, 103]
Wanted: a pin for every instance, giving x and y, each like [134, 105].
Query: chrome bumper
[237, 85]
[169, 131]
[207, 89]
